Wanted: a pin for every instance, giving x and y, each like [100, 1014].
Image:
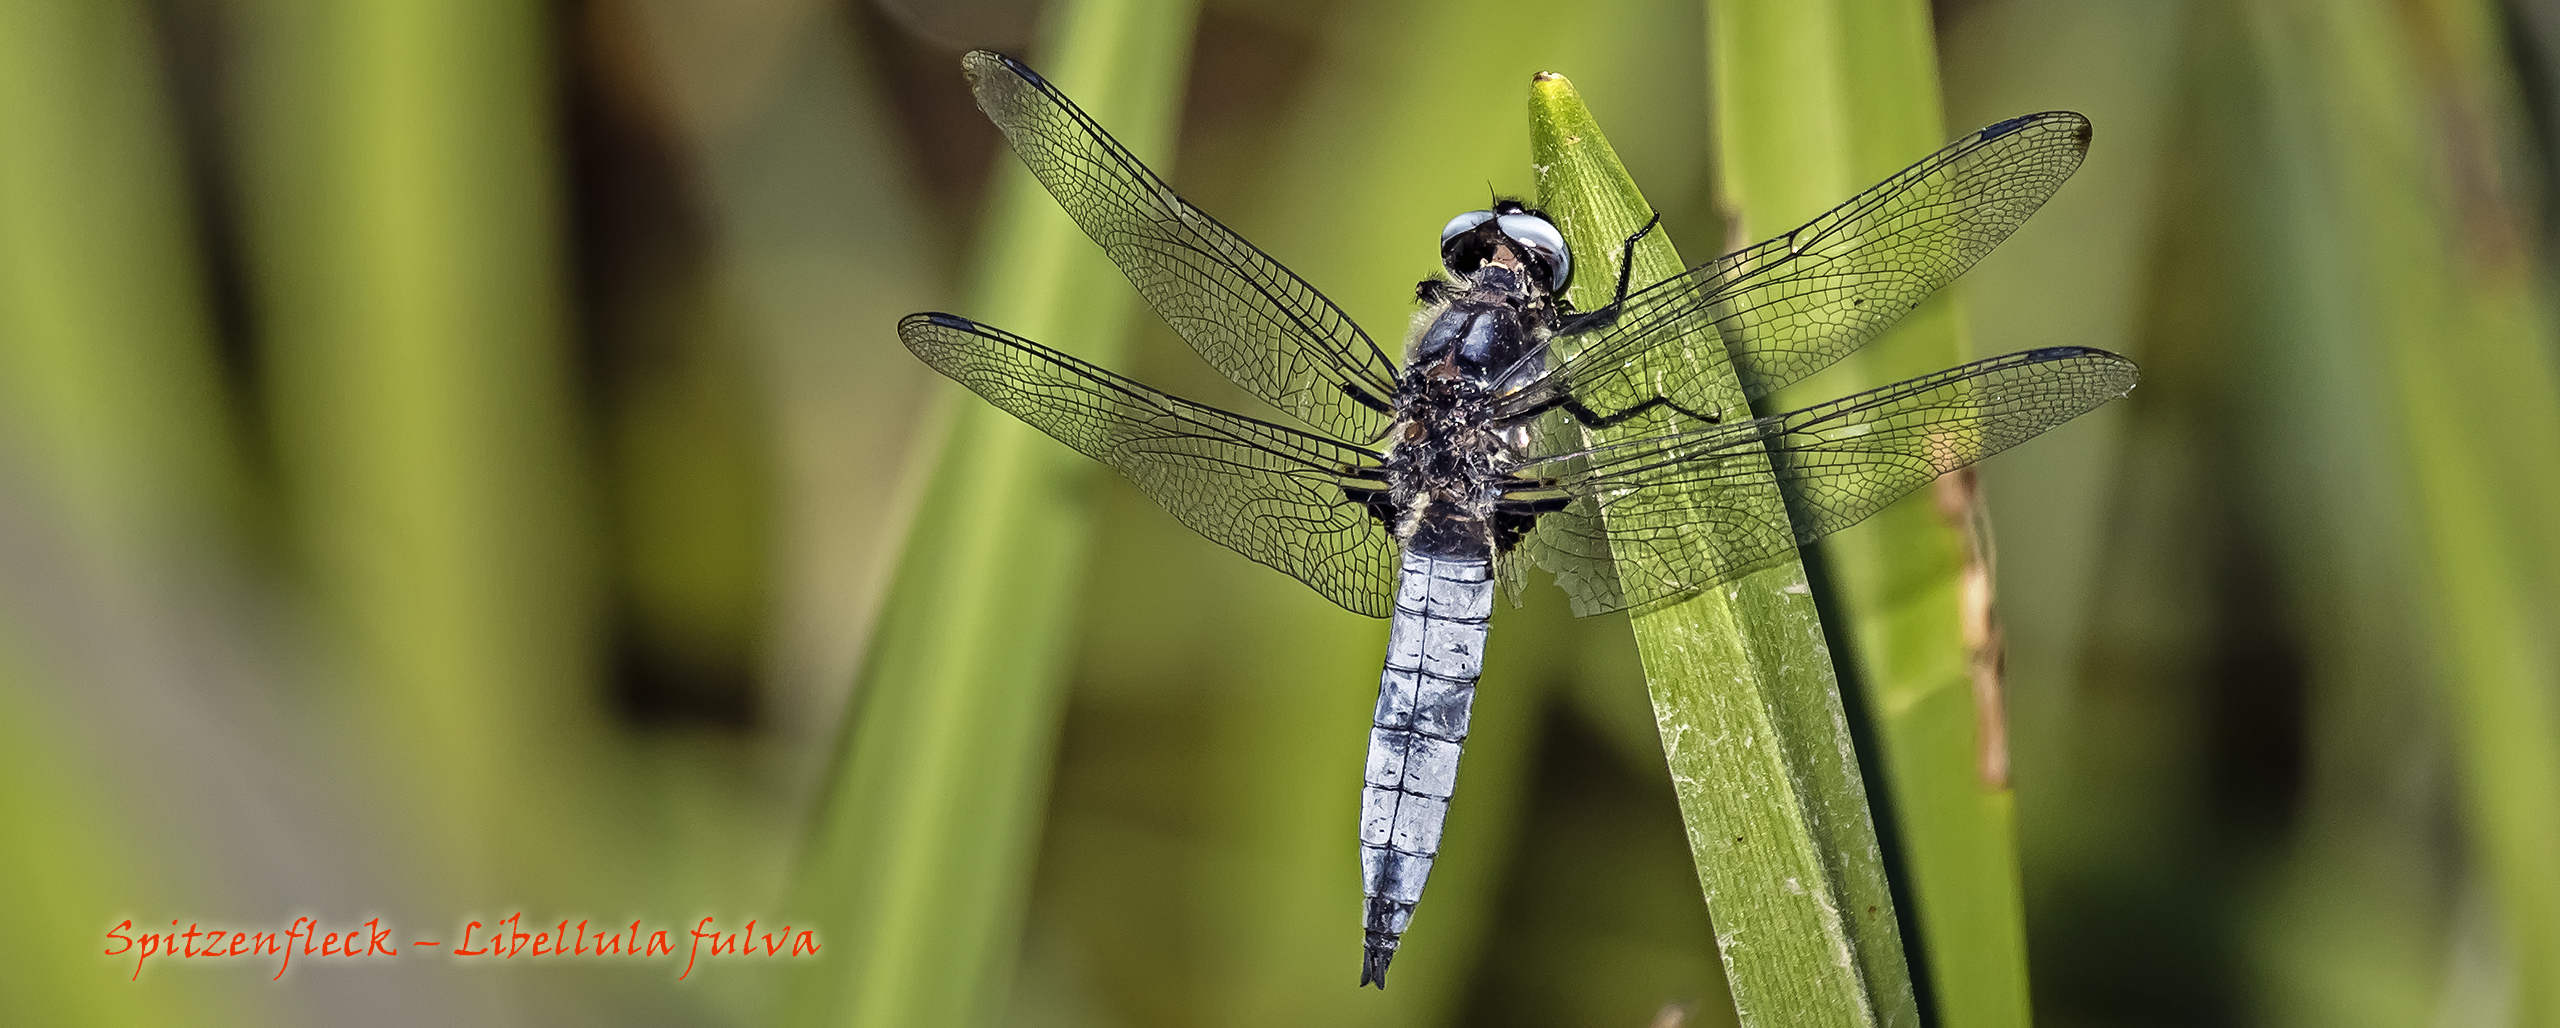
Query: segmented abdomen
[1435, 651]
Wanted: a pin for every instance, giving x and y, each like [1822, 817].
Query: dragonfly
[1615, 448]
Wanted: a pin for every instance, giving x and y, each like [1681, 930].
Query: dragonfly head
[1471, 239]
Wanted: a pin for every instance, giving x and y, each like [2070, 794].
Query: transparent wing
[1679, 512]
[1252, 319]
[1278, 495]
[1795, 304]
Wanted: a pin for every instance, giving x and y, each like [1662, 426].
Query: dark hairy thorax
[1447, 458]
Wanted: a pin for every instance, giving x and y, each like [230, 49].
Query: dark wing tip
[908, 325]
[1998, 129]
[2049, 353]
[2081, 130]
[915, 331]
[1374, 957]
[2123, 365]
[979, 62]
[938, 318]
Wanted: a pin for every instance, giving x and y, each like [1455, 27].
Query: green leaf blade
[1815, 101]
[924, 845]
[1744, 698]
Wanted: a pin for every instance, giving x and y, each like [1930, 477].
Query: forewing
[1255, 321]
[1795, 304]
[1272, 493]
[1679, 512]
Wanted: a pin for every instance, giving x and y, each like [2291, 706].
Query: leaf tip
[1552, 89]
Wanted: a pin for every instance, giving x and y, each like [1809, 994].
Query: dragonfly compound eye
[1462, 248]
[1541, 237]
[1462, 223]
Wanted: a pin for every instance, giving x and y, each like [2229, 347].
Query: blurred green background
[454, 454]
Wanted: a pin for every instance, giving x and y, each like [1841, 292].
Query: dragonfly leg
[1593, 419]
[1600, 317]
[1589, 418]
